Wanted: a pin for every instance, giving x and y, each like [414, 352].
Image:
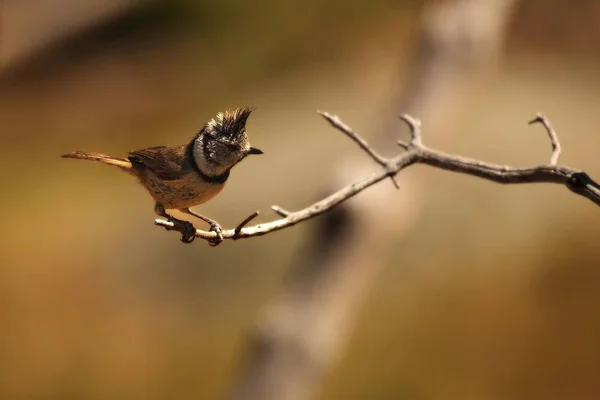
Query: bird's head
[223, 142]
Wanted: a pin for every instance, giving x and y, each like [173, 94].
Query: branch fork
[414, 153]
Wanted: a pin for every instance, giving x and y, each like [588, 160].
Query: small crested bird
[180, 177]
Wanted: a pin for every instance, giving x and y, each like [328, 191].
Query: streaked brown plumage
[180, 177]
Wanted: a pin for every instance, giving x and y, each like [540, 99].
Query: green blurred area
[493, 295]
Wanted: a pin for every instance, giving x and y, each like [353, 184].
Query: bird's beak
[254, 150]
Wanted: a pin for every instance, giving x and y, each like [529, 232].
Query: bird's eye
[232, 147]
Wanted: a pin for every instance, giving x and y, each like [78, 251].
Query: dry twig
[416, 153]
[302, 331]
[539, 118]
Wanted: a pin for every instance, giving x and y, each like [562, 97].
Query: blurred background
[491, 292]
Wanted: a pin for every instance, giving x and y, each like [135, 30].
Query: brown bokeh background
[494, 294]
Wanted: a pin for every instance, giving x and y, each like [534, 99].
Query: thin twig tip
[411, 121]
[280, 211]
[326, 115]
[539, 118]
[245, 222]
[403, 144]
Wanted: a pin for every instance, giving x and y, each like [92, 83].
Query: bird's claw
[189, 232]
[216, 228]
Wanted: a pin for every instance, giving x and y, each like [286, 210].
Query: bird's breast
[188, 191]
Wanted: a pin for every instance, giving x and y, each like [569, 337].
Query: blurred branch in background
[416, 153]
[300, 334]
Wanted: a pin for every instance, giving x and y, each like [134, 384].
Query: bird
[184, 176]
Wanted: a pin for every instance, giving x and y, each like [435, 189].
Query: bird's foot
[188, 232]
[215, 227]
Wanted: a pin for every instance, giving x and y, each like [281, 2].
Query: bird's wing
[167, 163]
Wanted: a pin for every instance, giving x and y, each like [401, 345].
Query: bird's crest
[229, 124]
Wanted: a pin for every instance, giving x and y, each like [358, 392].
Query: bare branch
[540, 118]
[302, 331]
[416, 153]
[384, 162]
[340, 126]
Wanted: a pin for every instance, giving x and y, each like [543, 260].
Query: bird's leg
[214, 226]
[188, 232]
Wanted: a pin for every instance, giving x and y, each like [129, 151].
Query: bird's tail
[122, 163]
